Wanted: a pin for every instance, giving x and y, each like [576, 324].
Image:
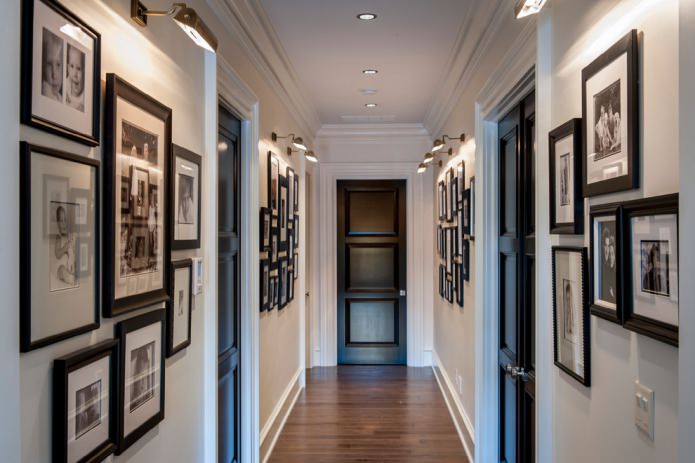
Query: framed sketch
[264, 226]
[61, 72]
[566, 200]
[180, 307]
[466, 216]
[461, 181]
[137, 139]
[650, 253]
[570, 314]
[606, 262]
[186, 195]
[610, 117]
[282, 282]
[59, 244]
[141, 377]
[197, 263]
[273, 184]
[291, 176]
[265, 286]
[471, 201]
[84, 404]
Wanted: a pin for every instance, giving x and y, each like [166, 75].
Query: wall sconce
[440, 142]
[290, 151]
[185, 17]
[429, 157]
[311, 156]
[296, 141]
[422, 168]
[528, 7]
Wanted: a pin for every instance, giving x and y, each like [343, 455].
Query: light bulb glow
[421, 168]
[366, 16]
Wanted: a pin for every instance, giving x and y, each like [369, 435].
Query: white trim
[417, 242]
[456, 409]
[282, 411]
[372, 133]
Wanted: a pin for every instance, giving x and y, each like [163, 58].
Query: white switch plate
[644, 409]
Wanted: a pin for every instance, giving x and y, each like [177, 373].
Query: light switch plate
[644, 409]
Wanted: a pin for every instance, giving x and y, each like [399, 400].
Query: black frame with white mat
[180, 307]
[185, 224]
[606, 293]
[566, 199]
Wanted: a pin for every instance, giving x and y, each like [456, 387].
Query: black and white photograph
[61, 59]
[450, 195]
[461, 176]
[84, 400]
[655, 272]
[186, 210]
[137, 241]
[142, 379]
[606, 262]
[59, 263]
[295, 268]
[290, 175]
[610, 102]
[296, 194]
[197, 263]
[570, 313]
[264, 226]
[184, 199]
[471, 232]
[458, 278]
[466, 208]
[282, 214]
[180, 307]
[265, 286]
[272, 292]
[564, 176]
[566, 201]
[441, 205]
[466, 260]
[283, 282]
[273, 183]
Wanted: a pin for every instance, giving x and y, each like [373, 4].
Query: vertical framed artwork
[458, 277]
[282, 282]
[466, 209]
[570, 314]
[566, 199]
[137, 243]
[610, 117]
[606, 250]
[282, 214]
[84, 404]
[265, 286]
[650, 255]
[59, 246]
[466, 260]
[295, 269]
[61, 72]
[441, 190]
[471, 201]
[296, 194]
[186, 195]
[180, 307]
[450, 193]
[290, 176]
[273, 183]
[461, 176]
[264, 226]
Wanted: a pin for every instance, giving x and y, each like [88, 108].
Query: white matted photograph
[187, 192]
[180, 307]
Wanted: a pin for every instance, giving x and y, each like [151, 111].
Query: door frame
[419, 267]
[223, 84]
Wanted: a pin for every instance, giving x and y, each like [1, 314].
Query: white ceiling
[409, 43]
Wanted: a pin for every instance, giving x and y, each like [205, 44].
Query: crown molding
[372, 133]
[468, 50]
[248, 23]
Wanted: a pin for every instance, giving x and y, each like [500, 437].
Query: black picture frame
[461, 181]
[183, 153]
[273, 201]
[62, 367]
[466, 213]
[283, 219]
[122, 329]
[27, 116]
[586, 329]
[471, 232]
[571, 128]
[629, 45]
[296, 194]
[458, 277]
[441, 189]
[466, 260]
[117, 88]
[25, 245]
[283, 272]
[274, 247]
[451, 199]
[171, 348]
[265, 295]
[264, 226]
[659, 205]
[614, 211]
[295, 266]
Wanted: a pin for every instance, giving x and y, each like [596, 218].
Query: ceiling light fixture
[366, 16]
[440, 142]
[371, 105]
[311, 156]
[296, 141]
[370, 72]
[528, 7]
[186, 18]
[421, 168]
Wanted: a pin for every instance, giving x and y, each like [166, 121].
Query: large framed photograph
[570, 315]
[610, 116]
[566, 200]
[650, 253]
[141, 378]
[180, 307]
[606, 263]
[59, 244]
[273, 180]
[84, 404]
[137, 241]
[61, 72]
[187, 195]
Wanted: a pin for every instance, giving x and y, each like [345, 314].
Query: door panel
[371, 272]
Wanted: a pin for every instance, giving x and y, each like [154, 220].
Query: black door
[371, 272]
[517, 282]
[228, 287]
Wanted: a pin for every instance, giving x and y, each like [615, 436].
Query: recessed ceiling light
[370, 72]
[366, 16]
[371, 105]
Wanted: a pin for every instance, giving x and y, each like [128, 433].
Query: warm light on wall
[528, 7]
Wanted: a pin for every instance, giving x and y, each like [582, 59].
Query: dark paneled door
[371, 272]
[228, 287]
[517, 282]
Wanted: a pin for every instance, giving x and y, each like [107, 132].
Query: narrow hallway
[371, 414]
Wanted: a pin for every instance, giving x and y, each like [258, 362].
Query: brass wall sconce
[296, 141]
[440, 142]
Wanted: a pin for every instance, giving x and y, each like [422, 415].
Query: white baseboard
[273, 427]
[463, 424]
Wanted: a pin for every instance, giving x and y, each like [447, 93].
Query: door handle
[516, 372]
[402, 292]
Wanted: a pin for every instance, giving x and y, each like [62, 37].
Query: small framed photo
[186, 195]
[450, 287]
[458, 277]
[290, 176]
[273, 184]
[290, 285]
[141, 378]
[265, 296]
[180, 307]
[570, 314]
[273, 292]
[296, 194]
[282, 217]
[441, 205]
[606, 262]
[450, 195]
[197, 263]
[466, 213]
[264, 225]
[466, 260]
[471, 233]
[84, 404]
[59, 244]
[61, 72]
[610, 117]
[454, 194]
[461, 182]
[295, 273]
[650, 253]
[283, 273]
[566, 199]
[274, 248]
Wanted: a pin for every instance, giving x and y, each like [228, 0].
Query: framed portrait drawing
[180, 307]
[566, 199]
[265, 286]
[141, 376]
[273, 183]
[610, 117]
[84, 404]
[186, 197]
[137, 144]
[570, 315]
[650, 253]
[59, 246]
[264, 226]
[61, 72]
[471, 201]
[606, 262]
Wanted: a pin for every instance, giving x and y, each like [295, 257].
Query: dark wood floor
[369, 414]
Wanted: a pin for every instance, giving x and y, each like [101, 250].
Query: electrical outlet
[644, 409]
